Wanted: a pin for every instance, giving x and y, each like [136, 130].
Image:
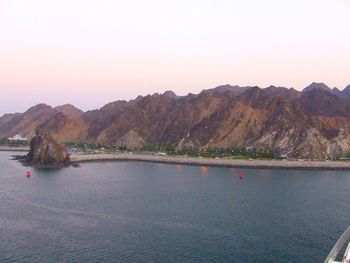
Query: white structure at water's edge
[18, 138]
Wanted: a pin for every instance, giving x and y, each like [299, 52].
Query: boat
[335, 254]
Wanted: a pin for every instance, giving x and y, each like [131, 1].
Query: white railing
[345, 237]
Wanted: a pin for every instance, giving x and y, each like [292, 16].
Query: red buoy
[241, 175]
[28, 173]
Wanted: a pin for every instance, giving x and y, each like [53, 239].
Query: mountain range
[313, 123]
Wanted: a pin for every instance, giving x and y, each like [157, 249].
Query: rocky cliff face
[45, 151]
[25, 123]
[314, 123]
[63, 122]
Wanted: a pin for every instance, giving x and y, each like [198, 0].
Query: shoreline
[14, 149]
[229, 163]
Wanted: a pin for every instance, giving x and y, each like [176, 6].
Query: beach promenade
[257, 164]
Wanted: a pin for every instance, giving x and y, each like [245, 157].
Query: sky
[91, 52]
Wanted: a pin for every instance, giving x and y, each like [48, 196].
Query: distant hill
[314, 123]
[316, 85]
[24, 124]
[322, 86]
[346, 92]
[69, 110]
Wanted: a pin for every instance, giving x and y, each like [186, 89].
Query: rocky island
[45, 151]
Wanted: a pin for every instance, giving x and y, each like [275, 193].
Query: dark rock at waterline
[21, 158]
[45, 151]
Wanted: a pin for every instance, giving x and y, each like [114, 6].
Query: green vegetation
[93, 147]
[233, 152]
[230, 152]
[84, 145]
[157, 148]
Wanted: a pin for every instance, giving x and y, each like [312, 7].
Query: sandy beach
[256, 164]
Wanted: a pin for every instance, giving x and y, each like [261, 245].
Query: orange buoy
[241, 175]
[28, 174]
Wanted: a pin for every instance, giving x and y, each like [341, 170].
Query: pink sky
[89, 53]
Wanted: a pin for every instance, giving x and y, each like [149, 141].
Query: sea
[151, 212]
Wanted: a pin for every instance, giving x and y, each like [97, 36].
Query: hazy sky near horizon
[90, 52]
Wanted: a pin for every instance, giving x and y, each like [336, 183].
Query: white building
[18, 138]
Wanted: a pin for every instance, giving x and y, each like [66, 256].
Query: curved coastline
[230, 163]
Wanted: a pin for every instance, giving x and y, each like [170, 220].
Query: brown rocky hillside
[314, 123]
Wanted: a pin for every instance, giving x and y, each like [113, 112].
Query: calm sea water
[145, 212]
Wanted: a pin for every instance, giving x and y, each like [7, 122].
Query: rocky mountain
[324, 87]
[314, 123]
[69, 110]
[170, 94]
[315, 85]
[346, 92]
[61, 121]
[25, 123]
[227, 88]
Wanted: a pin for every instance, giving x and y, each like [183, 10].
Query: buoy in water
[28, 173]
[241, 175]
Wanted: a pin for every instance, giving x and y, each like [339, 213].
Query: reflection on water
[265, 172]
[203, 170]
[178, 168]
[160, 165]
[232, 171]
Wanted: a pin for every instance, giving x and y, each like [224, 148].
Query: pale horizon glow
[89, 52]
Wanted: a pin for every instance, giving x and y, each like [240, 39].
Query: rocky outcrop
[45, 151]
